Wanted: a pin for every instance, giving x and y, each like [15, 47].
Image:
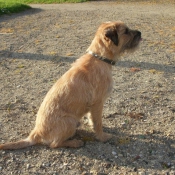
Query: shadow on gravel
[27, 12]
[119, 150]
[70, 59]
[148, 66]
[30, 56]
[114, 153]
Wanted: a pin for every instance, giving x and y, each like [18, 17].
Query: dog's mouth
[135, 41]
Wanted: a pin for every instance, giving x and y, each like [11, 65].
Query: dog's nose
[139, 33]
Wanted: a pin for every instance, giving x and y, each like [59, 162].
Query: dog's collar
[106, 60]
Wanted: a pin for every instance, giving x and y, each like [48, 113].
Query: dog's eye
[126, 31]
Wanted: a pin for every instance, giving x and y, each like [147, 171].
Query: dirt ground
[38, 46]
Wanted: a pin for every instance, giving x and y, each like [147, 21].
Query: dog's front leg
[96, 117]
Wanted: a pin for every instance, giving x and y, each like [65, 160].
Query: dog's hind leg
[63, 132]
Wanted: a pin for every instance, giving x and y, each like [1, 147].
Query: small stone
[134, 169]
[114, 153]
[142, 173]
[107, 165]
[120, 155]
[47, 164]
[0, 168]
[28, 166]
[25, 160]
[136, 158]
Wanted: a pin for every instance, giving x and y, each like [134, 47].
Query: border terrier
[82, 89]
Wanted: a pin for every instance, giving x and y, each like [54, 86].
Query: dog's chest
[107, 85]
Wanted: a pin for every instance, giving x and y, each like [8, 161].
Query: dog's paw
[76, 143]
[104, 137]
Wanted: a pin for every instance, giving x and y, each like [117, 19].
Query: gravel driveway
[39, 45]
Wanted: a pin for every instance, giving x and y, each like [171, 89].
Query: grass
[48, 1]
[52, 1]
[7, 7]
[14, 6]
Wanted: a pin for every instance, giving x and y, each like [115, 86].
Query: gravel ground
[39, 45]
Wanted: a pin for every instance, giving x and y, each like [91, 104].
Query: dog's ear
[112, 35]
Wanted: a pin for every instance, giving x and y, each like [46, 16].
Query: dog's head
[113, 38]
[120, 35]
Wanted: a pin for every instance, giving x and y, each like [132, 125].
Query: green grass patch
[14, 6]
[50, 1]
[8, 7]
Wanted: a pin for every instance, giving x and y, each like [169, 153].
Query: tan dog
[82, 89]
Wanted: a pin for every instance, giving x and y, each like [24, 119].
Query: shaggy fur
[82, 89]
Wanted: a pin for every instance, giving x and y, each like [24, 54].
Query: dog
[82, 89]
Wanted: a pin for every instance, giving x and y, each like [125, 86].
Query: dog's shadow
[147, 66]
[123, 150]
[152, 150]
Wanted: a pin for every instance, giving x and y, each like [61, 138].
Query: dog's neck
[103, 48]
[106, 60]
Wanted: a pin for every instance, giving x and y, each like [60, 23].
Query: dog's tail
[32, 139]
